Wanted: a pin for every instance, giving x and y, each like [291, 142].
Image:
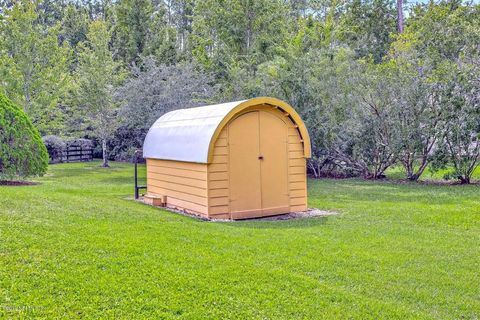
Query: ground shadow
[296, 223]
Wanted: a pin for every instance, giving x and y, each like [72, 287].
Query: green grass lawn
[73, 246]
[398, 173]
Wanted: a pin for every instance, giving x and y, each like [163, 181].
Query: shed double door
[258, 165]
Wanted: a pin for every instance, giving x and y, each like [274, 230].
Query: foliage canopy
[375, 90]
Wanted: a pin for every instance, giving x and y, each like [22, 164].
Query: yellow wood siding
[297, 174]
[218, 193]
[184, 184]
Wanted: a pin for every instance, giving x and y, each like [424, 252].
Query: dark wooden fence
[77, 154]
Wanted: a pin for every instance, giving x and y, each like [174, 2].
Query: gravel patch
[311, 212]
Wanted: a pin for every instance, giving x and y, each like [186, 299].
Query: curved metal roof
[189, 134]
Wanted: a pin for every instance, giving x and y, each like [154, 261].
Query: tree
[50, 12]
[97, 75]
[461, 141]
[446, 36]
[400, 16]
[366, 27]
[180, 17]
[319, 84]
[75, 25]
[161, 41]
[33, 66]
[131, 29]
[417, 115]
[22, 152]
[152, 91]
[238, 34]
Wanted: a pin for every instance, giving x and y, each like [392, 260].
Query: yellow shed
[234, 160]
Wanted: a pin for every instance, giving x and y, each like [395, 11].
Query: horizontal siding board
[182, 204]
[297, 162]
[296, 170]
[159, 191]
[218, 185]
[220, 159]
[297, 178]
[217, 167]
[177, 165]
[224, 216]
[296, 208]
[218, 192]
[294, 139]
[215, 210]
[297, 201]
[215, 176]
[221, 142]
[298, 193]
[177, 173]
[295, 154]
[220, 151]
[297, 185]
[185, 181]
[178, 187]
[220, 201]
[292, 131]
[295, 147]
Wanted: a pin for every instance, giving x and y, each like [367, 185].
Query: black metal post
[136, 175]
[137, 187]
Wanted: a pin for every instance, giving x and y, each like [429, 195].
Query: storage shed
[234, 160]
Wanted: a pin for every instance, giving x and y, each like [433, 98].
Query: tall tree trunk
[420, 171]
[104, 153]
[464, 179]
[400, 16]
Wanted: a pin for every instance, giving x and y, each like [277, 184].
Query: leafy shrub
[55, 147]
[22, 152]
[84, 143]
[125, 142]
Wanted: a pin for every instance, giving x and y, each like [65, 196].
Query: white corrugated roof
[185, 134]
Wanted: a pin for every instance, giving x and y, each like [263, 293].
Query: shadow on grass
[295, 223]
[14, 183]
[254, 223]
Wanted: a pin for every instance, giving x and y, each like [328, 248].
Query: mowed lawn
[74, 246]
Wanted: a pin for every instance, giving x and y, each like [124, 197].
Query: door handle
[260, 157]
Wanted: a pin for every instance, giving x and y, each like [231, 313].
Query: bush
[84, 143]
[22, 152]
[125, 142]
[55, 147]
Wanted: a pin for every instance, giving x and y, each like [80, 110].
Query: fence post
[135, 160]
